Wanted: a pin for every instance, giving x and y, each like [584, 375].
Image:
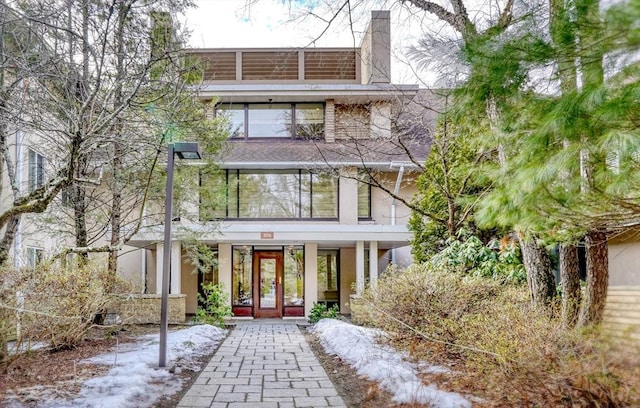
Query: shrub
[320, 311]
[57, 303]
[467, 255]
[504, 349]
[214, 305]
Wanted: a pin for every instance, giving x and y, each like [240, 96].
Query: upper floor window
[364, 196]
[283, 194]
[274, 120]
[34, 256]
[36, 170]
[364, 200]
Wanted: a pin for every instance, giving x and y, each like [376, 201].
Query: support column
[225, 268]
[348, 196]
[176, 268]
[159, 257]
[359, 267]
[330, 121]
[373, 263]
[310, 277]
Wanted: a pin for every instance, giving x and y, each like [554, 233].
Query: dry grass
[502, 348]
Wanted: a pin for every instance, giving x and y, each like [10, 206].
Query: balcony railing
[307, 65]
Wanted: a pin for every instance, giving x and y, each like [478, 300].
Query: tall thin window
[294, 276]
[36, 170]
[242, 291]
[328, 277]
[364, 197]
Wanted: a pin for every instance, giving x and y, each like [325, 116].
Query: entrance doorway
[268, 294]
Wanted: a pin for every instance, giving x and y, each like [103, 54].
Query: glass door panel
[267, 283]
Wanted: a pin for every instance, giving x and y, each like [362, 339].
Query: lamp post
[184, 151]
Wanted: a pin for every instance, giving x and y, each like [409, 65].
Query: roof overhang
[378, 166]
[266, 93]
[325, 235]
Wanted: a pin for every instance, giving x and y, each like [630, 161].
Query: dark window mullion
[310, 194]
[299, 193]
[246, 120]
[238, 194]
[293, 121]
[226, 193]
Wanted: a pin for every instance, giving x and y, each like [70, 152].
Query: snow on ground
[135, 380]
[357, 346]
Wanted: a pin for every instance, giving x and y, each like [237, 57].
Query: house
[622, 310]
[319, 137]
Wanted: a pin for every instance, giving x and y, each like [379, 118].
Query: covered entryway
[267, 281]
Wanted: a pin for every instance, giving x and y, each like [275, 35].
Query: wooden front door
[268, 295]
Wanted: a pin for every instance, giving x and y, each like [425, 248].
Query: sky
[283, 23]
[134, 379]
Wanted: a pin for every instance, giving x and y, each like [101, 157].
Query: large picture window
[284, 194]
[274, 120]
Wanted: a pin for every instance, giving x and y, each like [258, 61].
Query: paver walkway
[263, 364]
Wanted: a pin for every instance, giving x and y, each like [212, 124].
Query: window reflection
[328, 276]
[294, 276]
[235, 115]
[272, 120]
[241, 284]
[309, 121]
[284, 194]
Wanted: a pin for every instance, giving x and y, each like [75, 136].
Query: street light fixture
[184, 151]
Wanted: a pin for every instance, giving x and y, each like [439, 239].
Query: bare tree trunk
[570, 280]
[538, 266]
[118, 151]
[597, 279]
[79, 212]
[116, 209]
[7, 240]
[79, 190]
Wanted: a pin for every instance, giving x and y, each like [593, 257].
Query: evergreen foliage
[320, 311]
[214, 305]
[448, 188]
[467, 255]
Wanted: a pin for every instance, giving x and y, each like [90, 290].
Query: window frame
[35, 256]
[304, 197]
[35, 170]
[367, 185]
[293, 120]
[336, 253]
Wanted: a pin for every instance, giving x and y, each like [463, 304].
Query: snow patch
[135, 379]
[358, 346]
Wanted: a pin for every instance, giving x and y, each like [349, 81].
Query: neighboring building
[622, 311]
[296, 225]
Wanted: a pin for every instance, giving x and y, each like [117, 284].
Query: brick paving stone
[312, 402]
[263, 363]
